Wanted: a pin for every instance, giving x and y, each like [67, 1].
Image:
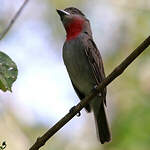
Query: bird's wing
[95, 60]
[96, 63]
[81, 96]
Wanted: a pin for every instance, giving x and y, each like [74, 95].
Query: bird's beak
[62, 13]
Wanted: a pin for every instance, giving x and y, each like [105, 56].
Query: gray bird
[84, 65]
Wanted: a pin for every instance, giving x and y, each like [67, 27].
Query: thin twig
[13, 20]
[115, 73]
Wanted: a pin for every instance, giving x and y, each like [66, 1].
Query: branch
[115, 73]
[13, 20]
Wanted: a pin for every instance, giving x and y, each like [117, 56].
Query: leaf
[8, 72]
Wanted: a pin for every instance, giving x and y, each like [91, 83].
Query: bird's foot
[73, 109]
[95, 89]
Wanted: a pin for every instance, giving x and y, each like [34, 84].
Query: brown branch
[13, 20]
[115, 73]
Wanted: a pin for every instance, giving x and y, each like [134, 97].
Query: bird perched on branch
[84, 65]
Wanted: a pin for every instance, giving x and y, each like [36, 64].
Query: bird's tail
[102, 125]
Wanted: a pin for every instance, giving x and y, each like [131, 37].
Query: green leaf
[8, 72]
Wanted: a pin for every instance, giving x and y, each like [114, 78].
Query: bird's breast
[78, 66]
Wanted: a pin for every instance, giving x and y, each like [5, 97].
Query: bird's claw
[95, 89]
[73, 109]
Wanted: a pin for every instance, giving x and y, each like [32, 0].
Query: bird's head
[73, 20]
[71, 15]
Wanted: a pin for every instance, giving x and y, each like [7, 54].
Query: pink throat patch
[74, 28]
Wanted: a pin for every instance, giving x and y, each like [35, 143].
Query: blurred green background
[43, 93]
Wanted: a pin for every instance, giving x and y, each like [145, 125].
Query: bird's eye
[74, 12]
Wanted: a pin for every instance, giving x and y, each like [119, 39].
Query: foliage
[8, 72]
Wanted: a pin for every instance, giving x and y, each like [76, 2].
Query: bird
[84, 65]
